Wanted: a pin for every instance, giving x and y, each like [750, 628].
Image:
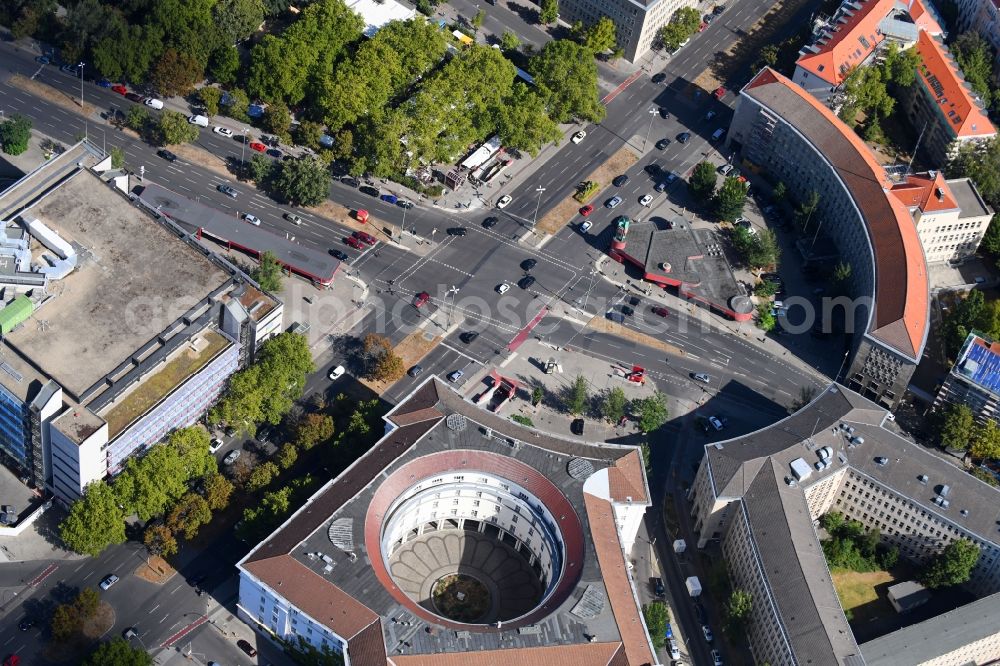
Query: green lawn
[857, 592]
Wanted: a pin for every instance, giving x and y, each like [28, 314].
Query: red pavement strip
[184, 632]
[617, 91]
[49, 570]
[523, 334]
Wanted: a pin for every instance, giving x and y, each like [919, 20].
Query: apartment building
[974, 380]
[950, 215]
[983, 16]
[782, 130]
[638, 22]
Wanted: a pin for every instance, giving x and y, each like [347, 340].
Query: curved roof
[900, 307]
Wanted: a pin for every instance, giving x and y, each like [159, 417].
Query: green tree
[278, 119]
[780, 191]
[117, 157]
[833, 522]
[614, 404]
[313, 429]
[380, 360]
[261, 476]
[652, 412]
[578, 397]
[509, 41]
[842, 272]
[566, 79]
[766, 57]
[730, 199]
[87, 602]
[975, 58]
[477, 20]
[738, 610]
[523, 124]
[224, 64]
[865, 91]
[981, 163]
[763, 251]
[188, 515]
[901, 64]
[765, 320]
[160, 541]
[117, 652]
[656, 616]
[94, 521]
[237, 104]
[268, 272]
[151, 483]
[192, 444]
[209, 97]
[303, 182]
[702, 182]
[806, 209]
[549, 11]
[537, 394]
[309, 133]
[601, 36]
[287, 456]
[65, 623]
[238, 19]
[951, 566]
[176, 73]
[261, 169]
[985, 444]
[765, 289]
[968, 314]
[217, 491]
[985, 475]
[173, 128]
[683, 24]
[15, 132]
[137, 118]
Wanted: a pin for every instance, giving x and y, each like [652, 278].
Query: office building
[638, 21]
[974, 380]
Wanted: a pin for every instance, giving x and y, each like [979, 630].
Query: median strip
[604, 325]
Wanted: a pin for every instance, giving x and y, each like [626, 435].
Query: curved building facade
[783, 131]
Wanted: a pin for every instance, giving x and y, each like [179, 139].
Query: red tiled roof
[625, 479]
[900, 317]
[609, 553]
[583, 654]
[843, 49]
[313, 595]
[940, 76]
[927, 191]
[924, 19]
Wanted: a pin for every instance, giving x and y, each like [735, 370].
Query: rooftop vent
[456, 422]
[922, 479]
[941, 502]
[965, 513]
[943, 492]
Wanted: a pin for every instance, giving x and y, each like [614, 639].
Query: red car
[354, 242]
[258, 146]
[660, 311]
[587, 210]
[702, 27]
[719, 93]
[12, 660]
[421, 299]
[120, 89]
[365, 238]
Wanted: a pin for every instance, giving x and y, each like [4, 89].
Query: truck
[694, 586]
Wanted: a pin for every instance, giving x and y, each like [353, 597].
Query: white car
[707, 632]
[675, 654]
[224, 131]
[502, 288]
[585, 227]
[252, 219]
[337, 372]
[646, 199]
[579, 136]
[455, 376]
[294, 219]
[716, 658]
[504, 201]
[701, 377]
[215, 445]
[108, 582]
[725, 169]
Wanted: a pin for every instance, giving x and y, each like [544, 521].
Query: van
[717, 134]
[200, 121]
[153, 103]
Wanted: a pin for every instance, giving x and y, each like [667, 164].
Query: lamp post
[243, 150]
[80, 67]
[652, 115]
[537, 206]
[451, 292]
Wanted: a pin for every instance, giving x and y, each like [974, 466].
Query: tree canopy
[975, 57]
[957, 426]
[684, 23]
[566, 78]
[173, 128]
[702, 181]
[118, 652]
[952, 566]
[302, 182]
[15, 132]
[94, 521]
[730, 199]
[652, 411]
[657, 615]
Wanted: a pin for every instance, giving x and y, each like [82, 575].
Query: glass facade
[15, 432]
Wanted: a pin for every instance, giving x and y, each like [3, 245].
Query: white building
[638, 21]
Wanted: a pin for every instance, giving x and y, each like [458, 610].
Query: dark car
[131, 96]
[370, 191]
[663, 143]
[104, 83]
[528, 264]
[403, 203]
[576, 427]
[340, 255]
[26, 623]
[469, 336]
[415, 371]
[699, 610]
[659, 77]
[246, 647]
[684, 137]
[652, 169]
[526, 281]
[718, 9]
[167, 155]
[490, 222]
[664, 113]
[349, 181]
[274, 152]
[389, 198]
[619, 180]
[633, 300]
[627, 310]
[457, 231]
[658, 587]
[659, 311]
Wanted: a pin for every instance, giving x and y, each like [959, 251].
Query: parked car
[151, 102]
[42, 60]
[579, 136]
[223, 131]
[354, 242]
[215, 445]
[715, 423]
[421, 299]
[576, 427]
[528, 264]
[26, 623]
[627, 310]
[683, 137]
[103, 83]
[503, 288]
[370, 191]
[620, 180]
[167, 155]
[389, 198]
[231, 457]
[587, 210]
[246, 647]
[339, 255]
[108, 581]
[706, 631]
[228, 191]
[612, 202]
[336, 373]
[718, 9]
[455, 376]
[293, 218]
[646, 200]
[672, 648]
[716, 658]
[415, 371]
[258, 147]
[585, 227]
[252, 219]
[720, 92]
[490, 222]
[662, 143]
[364, 237]
[725, 169]
[664, 113]
[659, 77]
[526, 282]
[660, 590]
[119, 88]
[504, 201]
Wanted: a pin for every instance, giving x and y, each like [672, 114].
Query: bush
[434, 190]
[586, 191]
[523, 420]
[15, 133]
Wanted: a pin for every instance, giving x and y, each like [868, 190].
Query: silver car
[227, 190]
[231, 457]
[612, 202]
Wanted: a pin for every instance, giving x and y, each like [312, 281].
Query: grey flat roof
[936, 637]
[134, 278]
[968, 198]
[193, 215]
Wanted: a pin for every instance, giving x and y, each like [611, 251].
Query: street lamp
[652, 115]
[80, 67]
[451, 292]
[537, 206]
[243, 151]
